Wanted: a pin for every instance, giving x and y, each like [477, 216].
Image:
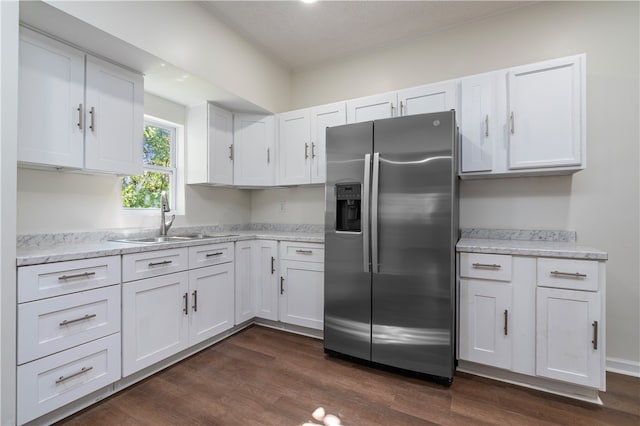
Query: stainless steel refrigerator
[391, 224]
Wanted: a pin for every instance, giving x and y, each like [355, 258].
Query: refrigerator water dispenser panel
[348, 207]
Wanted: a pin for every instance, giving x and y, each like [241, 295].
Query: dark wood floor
[267, 377]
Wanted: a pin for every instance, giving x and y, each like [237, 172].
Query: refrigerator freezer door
[412, 296]
[347, 280]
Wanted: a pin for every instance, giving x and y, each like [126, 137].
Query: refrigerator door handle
[365, 212]
[374, 213]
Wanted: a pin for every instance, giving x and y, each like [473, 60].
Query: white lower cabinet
[569, 344]
[246, 276]
[540, 325]
[302, 284]
[266, 264]
[484, 322]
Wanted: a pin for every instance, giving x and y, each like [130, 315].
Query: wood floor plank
[263, 376]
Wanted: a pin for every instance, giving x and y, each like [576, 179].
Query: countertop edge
[530, 248]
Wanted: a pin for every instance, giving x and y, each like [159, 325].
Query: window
[159, 164]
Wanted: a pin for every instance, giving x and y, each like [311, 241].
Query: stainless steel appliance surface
[391, 225]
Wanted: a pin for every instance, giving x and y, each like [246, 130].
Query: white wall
[192, 39]
[50, 201]
[303, 205]
[602, 202]
[8, 155]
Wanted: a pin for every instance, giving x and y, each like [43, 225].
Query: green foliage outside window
[144, 191]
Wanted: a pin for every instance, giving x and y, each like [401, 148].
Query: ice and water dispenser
[348, 208]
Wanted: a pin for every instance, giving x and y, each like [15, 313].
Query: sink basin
[172, 238]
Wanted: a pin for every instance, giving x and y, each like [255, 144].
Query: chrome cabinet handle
[273, 268]
[365, 212]
[164, 262]
[70, 277]
[65, 378]
[84, 318]
[80, 114]
[568, 274]
[486, 265]
[218, 253]
[313, 150]
[304, 251]
[486, 125]
[506, 322]
[401, 108]
[231, 152]
[513, 124]
[306, 150]
[195, 300]
[281, 285]
[92, 113]
[391, 109]
[595, 335]
[268, 156]
[185, 298]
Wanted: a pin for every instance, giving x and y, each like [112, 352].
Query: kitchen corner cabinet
[254, 150]
[302, 284]
[527, 120]
[77, 111]
[302, 141]
[434, 97]
[210, 145]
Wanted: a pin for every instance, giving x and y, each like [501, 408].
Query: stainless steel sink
[169, 239]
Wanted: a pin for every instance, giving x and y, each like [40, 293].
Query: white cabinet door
[114, 118]
[480, 125]
[266, 271]
[372, 107]
[254, 154]
[568, 327]
[154, 320]
[245, 289]
[50, 102]
[547, 114]
[302, 293]
[428, 98]
[322, 117]
[484, 322]
[211, 301]
[209, 145]
[294, 149]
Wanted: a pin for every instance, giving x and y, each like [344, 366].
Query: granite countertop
[527, 243]
[48, 248]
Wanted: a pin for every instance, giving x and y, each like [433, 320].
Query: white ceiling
[301, 35]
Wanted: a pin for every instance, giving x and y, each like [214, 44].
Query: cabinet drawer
[153, 263]
[485, 266]
[51, 382]
[211, 254]
[568, 273]
[306, 252]
[55, 279]
[59, 323]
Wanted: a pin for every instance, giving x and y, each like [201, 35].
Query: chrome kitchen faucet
[164, 208]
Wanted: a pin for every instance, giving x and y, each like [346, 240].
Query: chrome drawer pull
[486, 265]
[304, 251]
[82, 371]
[70, 277]
[84, 318]
[164, 262]
[568, 274]
[218, 253]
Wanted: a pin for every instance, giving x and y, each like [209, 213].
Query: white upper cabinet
[428, 98]
[322, 117]
[294, 148]
[302, 139]
[373, 107]
[480, 121]
[209, 145]
[114, 119]
[546, 107]
[50, 102]
[254, 153]
[69, 117]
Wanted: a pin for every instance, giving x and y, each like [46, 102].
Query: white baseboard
[623, 366]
